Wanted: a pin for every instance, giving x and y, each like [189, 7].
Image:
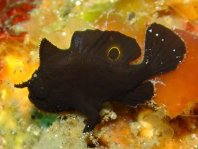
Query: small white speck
[64, 33]
[35, 75]
[162, 63]
[174, 50]
[32, 53]
[78, 3]
[162, 39]
[177, 57]
[156, 34]
[150, 30]
[147, 61]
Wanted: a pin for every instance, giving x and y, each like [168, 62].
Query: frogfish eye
[113, 53]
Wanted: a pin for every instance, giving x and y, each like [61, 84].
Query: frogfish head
[37, 89]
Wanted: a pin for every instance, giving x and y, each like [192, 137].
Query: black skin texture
[96, 69]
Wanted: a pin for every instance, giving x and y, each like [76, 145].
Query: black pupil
[114, 53]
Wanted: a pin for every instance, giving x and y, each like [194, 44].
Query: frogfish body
[96, 69]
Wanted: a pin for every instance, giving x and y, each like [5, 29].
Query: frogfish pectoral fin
[144, 92]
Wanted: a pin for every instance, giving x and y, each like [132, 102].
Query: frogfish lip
[24, 84]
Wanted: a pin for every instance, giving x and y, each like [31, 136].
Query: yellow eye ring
[114, 53]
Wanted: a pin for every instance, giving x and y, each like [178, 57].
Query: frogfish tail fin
[164, 49]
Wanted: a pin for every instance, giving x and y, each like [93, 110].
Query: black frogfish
[96, 69]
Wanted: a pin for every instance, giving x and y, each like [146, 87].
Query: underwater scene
[103, 74]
